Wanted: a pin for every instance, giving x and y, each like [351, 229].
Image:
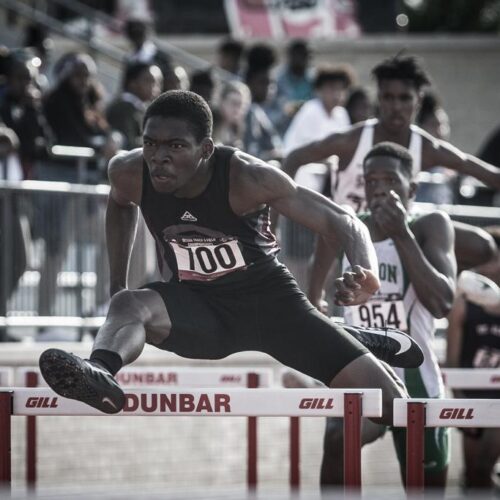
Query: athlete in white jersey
[348, 187]
[400, 81]
[417, 271]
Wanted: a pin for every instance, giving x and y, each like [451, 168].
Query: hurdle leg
[252, 382]
[5, 438]
[415, 447]
[352, 441]
[294, 453]
[31, 451]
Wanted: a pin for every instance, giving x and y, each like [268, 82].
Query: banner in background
[291, 18]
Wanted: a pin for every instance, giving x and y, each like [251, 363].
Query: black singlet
[201, 239]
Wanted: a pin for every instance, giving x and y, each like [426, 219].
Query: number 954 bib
[378, 314]
[206, 259]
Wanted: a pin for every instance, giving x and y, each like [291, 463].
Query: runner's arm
[430, 263]
[340, 228]
[446, 155]
[454, 332]
[323, 259]
[121, 221]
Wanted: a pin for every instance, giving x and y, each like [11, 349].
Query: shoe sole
[65, 376]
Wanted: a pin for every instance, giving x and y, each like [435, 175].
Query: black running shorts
[264, 312]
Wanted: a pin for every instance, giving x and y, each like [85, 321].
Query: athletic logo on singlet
[188, 217]
[202, 254]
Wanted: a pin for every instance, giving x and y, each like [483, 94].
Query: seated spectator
[294, 80]
[144, 49]
[359, 105]
[324, 114]
[229, 52]
[176, 78]
[141, 83]
[74, 112]
[229, 114]
[261, 139]
[21, 110]
[202, 83]
[261, 59]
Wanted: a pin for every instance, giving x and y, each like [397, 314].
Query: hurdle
[347, 403]
[417, 414]
[471, 378]
[155, 376]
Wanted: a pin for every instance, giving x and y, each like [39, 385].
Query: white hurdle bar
[471, 378]
[347, 403]
[166, 377]
[416, 414]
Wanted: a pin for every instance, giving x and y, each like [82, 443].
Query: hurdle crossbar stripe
[209, 402]
[452, 412]
[174, 376]
[472, 378]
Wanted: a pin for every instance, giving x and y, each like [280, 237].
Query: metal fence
[53, 255]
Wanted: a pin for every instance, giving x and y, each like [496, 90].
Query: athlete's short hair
[183, 105]
[402, 67]
[392, 150]
[327, 73]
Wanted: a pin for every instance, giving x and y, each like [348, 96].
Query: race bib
[206, 261]
[378, 314]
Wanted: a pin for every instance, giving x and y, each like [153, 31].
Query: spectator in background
[176, 78]
[202, 83]
[261, 59]
[138, 31]
[142, 82]
[324, 114]
[229, 114]
[74, 112]
[295, 79]
[473, 341]
[229, 52]
[21, 110]
[435, 185]
[261, 139]
[17, 230]
[359, 105]
[36, 37]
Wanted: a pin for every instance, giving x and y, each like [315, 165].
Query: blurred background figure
[229, 113]
[325, 114]
[74, 109]
[295, 79]
[473, 341]
[175, 78]
[139, 33]
[21, 110]
[437, 185]
[229, 55]
[202, 83]
[261, 137]
[14, 238]
[359, 105]
[142, 82]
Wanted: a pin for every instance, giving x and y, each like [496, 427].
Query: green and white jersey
[396, 305]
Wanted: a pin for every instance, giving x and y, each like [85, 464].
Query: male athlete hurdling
[207, 208]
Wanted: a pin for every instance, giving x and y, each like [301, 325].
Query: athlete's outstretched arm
[444, 154]
[317, 151]
[473, 246]
[261, 184]
[121, 218]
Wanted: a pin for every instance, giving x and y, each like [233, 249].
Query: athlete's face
[172, 154]
[383, 174]
[398, 104]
